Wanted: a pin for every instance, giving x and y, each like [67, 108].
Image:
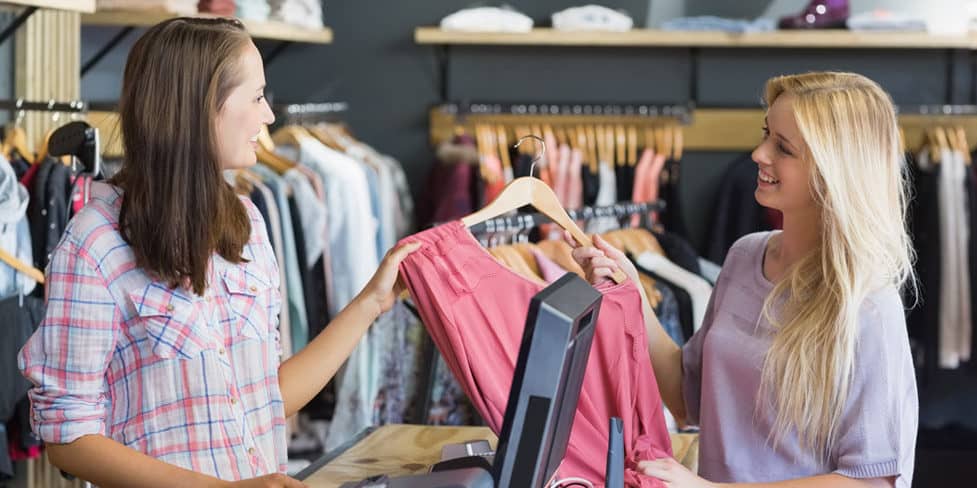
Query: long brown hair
[177, 209]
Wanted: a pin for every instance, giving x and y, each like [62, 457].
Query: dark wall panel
[736, 76]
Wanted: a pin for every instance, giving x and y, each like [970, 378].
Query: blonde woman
[801, 375]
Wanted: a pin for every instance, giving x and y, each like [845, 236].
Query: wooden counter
[398, 450]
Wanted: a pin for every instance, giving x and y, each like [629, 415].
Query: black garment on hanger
[21, 316]
[591, 185]
[48, 209]
[312, 277]
[681, 295]
[672, 218]
[624, 178]
[679, 251]
[737, 211]
[523, 166]
[258, 199]
[924, 224]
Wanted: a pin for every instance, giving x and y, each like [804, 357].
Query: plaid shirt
[189, 380]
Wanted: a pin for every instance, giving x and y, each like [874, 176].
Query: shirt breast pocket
[170, 321]
[250, 297]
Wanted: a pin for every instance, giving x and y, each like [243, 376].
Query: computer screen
[546, 383]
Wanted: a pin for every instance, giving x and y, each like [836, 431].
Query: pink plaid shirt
[189, 380]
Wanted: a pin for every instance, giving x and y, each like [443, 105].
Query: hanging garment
[399, 395]
[575, 187]
[474, 309]
[253, 9]
[737, 211]
[606, 195]
[561, 180]
[954, 298]
[924, 224]
[117, 333]
[449, 188]
[698, 288]
[722, 367]
[297, 312]
[21, 315]
[48, 210]
[679, 251]
[673, 218]
[15, 234]
[278, 244]
[686, 318]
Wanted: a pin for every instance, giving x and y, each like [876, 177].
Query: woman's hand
[602, 260]
[382, 290]
[673, 474]
[276, 480]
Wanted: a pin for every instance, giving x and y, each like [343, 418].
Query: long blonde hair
[858, 181]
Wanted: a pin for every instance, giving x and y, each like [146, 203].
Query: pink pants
[475, 310]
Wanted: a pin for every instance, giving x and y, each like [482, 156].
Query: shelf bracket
[106, 49]
[442, 53]
[17, 22]
[277, 50]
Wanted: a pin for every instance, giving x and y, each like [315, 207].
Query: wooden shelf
[829, 39]
[86, 6]
[259, 30]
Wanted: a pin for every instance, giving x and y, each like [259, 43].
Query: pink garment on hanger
[493, 189]
[562, 180]
[646, 178]
[575, 180]
[475, 310]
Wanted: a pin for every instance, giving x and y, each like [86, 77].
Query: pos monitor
[546, 384]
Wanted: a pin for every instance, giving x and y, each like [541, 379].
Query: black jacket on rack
[49, 208]
[737, 211]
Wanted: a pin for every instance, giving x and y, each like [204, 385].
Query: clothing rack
[299, 113]
[531, 220]
[73, 106]
[677, 111]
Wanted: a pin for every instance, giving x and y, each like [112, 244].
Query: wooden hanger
[621, 143]
[668, 136]
[326, 136]
[964, 145]
[15, 139]
[632, 145]
[679, 141]
[591, 136]
[532, 191]
[659, 139]
[290, 135]
[31, 272]
[503, 143]
[266, 153]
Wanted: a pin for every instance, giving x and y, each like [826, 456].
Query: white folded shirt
[487, 19]
[592, 18]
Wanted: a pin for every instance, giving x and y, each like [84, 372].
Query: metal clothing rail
[938, 109]
[531, 220]
[73, 106]
[681, 112]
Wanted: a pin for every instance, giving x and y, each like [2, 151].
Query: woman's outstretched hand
[383, 289]
[602, 260]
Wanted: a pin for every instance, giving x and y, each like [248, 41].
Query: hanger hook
[539, 155]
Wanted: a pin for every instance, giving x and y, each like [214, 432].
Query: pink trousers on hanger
[475, 310]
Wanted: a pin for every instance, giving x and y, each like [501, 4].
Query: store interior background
[390, 83]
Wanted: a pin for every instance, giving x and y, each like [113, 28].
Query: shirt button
[233, 401]
[169, 308]
[253, 288]
[220, 351]
[251, 451]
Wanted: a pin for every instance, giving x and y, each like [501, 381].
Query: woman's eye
[766, 132]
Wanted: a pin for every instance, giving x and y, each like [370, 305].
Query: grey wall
[391, 83]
